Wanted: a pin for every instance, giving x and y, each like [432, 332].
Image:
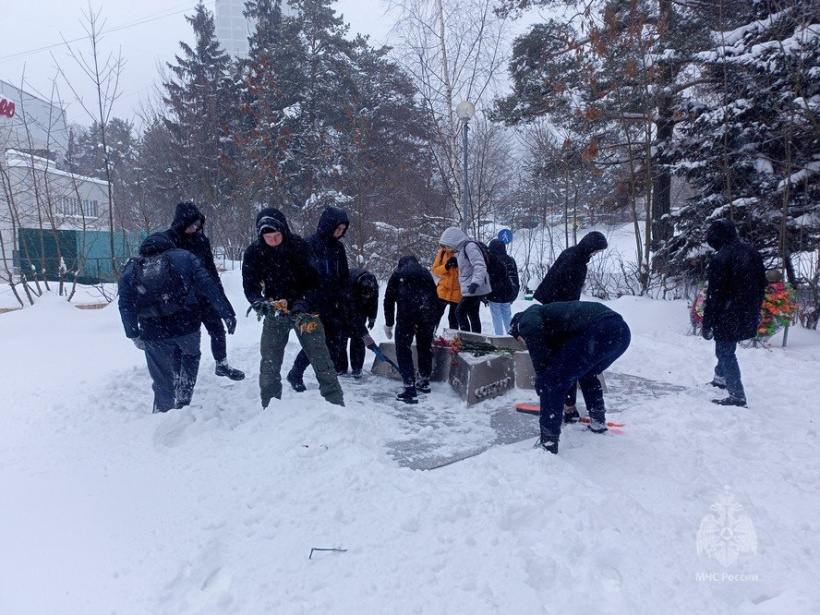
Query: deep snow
[106, 508]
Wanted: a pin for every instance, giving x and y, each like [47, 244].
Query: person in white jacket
[472, 276]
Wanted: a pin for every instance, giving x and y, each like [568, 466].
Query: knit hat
[268, 224]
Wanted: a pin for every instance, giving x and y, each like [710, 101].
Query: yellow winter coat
[449, 288]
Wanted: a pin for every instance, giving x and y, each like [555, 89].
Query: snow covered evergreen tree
[198, 95]
[751, 144]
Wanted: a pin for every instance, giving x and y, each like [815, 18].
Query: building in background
[233, 28]
[53, 223]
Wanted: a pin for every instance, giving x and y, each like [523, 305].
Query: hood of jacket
[271, 219]
[592, 242]
[407, 260]
[364, 281]
[720, 233]
[185, 215]
[497, 247]
[453, 238]
[155, 244]
[330, 220]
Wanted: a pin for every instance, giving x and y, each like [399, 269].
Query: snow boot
[223, 369]
[731, 401]
[718, 382]
[548, 444]
[296, 382]
[408, 396]
[597, 425]
[357, 374]
[571, 414]
[423, 385]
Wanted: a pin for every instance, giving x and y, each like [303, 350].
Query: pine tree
[199, 99]
[751, 147]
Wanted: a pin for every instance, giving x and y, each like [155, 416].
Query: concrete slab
[441, 433]
[478, 379]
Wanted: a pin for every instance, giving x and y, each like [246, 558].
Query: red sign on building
[6, 107]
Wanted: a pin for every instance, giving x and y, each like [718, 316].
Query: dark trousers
[357, 350]
[336, 340]
[423, 331]
[467, 314]
[216, 330]
[727, 367]
[452, 320]
[581, 359]
[173, 364]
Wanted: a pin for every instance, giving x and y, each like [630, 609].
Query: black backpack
[158, 289]
[500, 281]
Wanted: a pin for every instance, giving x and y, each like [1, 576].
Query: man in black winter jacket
[168, 330]
[188, 233]
[570, 341]
[736, 281]
[328, 257]
[363, 312]
[501, 298]
[283, 288]
[412, 291]
[564, 282]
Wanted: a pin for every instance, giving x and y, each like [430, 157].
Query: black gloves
[371, 322]
[299, 306]
[472, 288]
[451, 262]
[230, 324]
[707, 333]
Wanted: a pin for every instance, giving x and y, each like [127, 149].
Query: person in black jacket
[363, 312]
[412, 291]
[570, 341]
[328, 257]
[736, 283]
[565, 279]
[168, 330]
[283, 288]
[188, 233]
[564, 282]
[501, 298]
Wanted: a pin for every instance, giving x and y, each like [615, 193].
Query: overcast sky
[146, 32]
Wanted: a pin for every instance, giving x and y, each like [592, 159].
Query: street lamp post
[465, 112]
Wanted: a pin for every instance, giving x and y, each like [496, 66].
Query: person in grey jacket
[472, 276]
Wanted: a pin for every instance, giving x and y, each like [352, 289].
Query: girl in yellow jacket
[445, 267]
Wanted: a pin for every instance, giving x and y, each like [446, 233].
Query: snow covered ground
[106, 508]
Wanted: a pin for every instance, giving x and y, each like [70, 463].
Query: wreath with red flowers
[778, 310]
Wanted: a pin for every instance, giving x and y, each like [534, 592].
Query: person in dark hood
[736, 283]
[328, 257]
[283, 288]
[363, 312]
[501, 298]
[161, 294]
[187, 232]
[411, 291]
[570, 341]
[564, 282]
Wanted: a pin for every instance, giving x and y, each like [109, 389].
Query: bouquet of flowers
[779, 308]
[696, 307]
